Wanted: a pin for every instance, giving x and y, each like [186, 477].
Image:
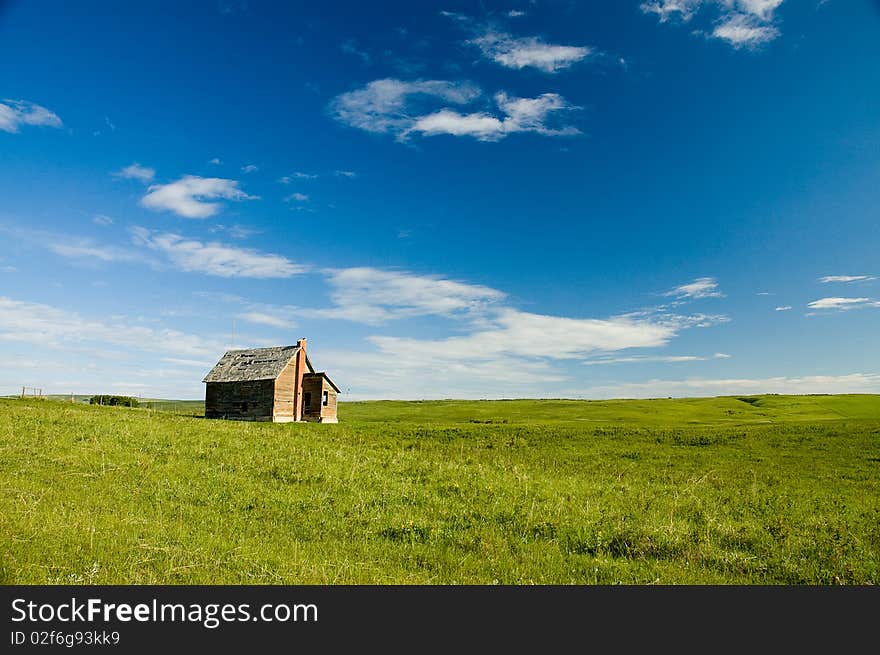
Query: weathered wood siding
[252, 400]
[316, 385]
[284, 394]
[328, 412]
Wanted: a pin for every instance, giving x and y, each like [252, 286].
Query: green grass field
[769, 489]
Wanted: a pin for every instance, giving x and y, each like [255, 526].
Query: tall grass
[783, 491]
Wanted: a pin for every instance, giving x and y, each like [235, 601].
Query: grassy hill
[657, 412]
[763, 489]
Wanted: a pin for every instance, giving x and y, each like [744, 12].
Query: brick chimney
[299, 371]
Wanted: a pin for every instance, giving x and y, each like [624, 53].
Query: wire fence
[180, 407]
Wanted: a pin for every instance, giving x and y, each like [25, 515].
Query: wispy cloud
[401, 108]
[783, 308]
[16, 113]
[236, 231]
[703, 287]
[740, 23]
[286, 179]
[136, 172]
[196, 363]
[297, 197]
[744, 30]
[666, 9]
[350, 47]
[531, 51]
[479, 364]
[262, 318]
[215, 258]
[249, 168]
[101, 219]
[187, 196]
[374, 296]
[663, 359]
[47, 326]
[846, 278]
[348, 174]
[516, 333]
[388, 105]
[90, 251]
[518, 115]
[836, 303]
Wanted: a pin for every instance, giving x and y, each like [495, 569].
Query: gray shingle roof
[253, 364]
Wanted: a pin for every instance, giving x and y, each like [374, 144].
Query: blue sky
[478, 200]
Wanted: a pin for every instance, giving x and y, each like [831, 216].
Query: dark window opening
[242, 407]
[307, 401]
[325, 398]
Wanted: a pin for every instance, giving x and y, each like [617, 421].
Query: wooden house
[270, 384]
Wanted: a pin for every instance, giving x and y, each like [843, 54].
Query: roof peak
[253, 364]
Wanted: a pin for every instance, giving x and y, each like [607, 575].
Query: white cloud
[664, 359]
[101, 219]
[762, 9]
[520, 115]
[47, 326]
[703, 287]
[186, 197]
[846, 278]
[446, 121]
[136, 172]
[198, 363]
[515, 13]
[262, 318]
[90, 251]
[399, 108]
[512, 52]
[16, 113]
[216, 161]
[217, 259]
[517, 333]
[665, 9]
[250, 168]
[744, 30]
[685, 9]
[286, 179]
[412, 378]
[843, 303]
[387, 105]
[783, 308]
[741, 23]
[455, 16]
[348, 174]
[508, 354]
[530, 114]
[298, 197]
[374, 296]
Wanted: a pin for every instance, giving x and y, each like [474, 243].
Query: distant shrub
[114, 401]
